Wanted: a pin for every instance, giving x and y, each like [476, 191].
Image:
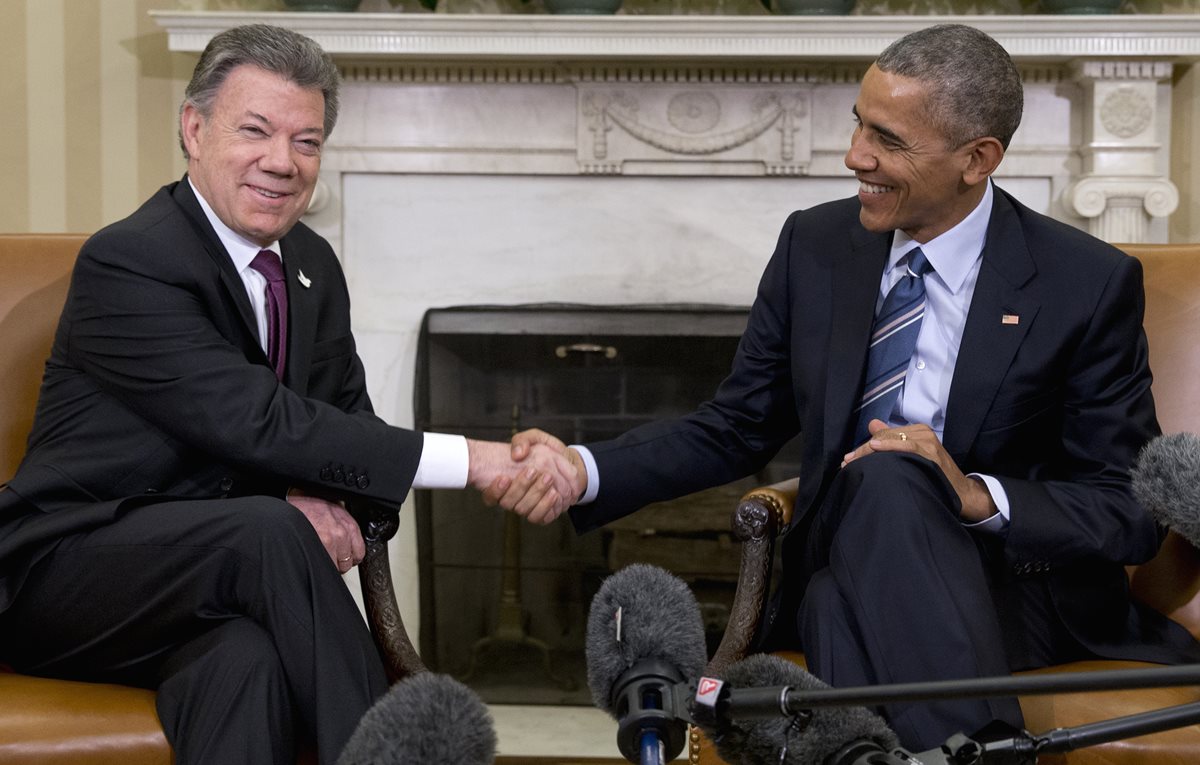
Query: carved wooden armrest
[758, 519]
[379, 524]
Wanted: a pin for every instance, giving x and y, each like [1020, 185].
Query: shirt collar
[953, 253]
[241, 250]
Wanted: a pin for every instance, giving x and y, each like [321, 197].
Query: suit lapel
[855, 290]
[990, 340]
[302, 312]
[231, 280]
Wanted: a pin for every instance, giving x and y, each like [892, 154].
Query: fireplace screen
[503, 602]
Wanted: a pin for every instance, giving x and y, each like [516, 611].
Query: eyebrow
[883, 131]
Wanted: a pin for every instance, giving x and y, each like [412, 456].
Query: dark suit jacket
[1056, 405]
[157, 387]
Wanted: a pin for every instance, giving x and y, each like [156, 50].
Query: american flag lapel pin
[1010, 318]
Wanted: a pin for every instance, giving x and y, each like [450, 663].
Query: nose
[859, 157]
[277, 159]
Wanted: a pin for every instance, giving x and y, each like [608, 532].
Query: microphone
[427, 718]
[746, 731]
[1166, 480]
[645, 637]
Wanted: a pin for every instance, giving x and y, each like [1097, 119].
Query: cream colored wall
[90, 93]
[1185, 153]
[88, 129]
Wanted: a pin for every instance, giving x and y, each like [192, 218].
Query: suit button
[351, 478]
[226, 483]
[326, 473]
[363, 482]
[339, 475]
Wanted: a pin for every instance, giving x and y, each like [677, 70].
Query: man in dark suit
[964, 511]
[179, 520]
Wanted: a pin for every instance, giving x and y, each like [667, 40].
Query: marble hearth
[640, 159]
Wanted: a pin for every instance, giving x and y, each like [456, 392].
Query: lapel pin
[304, 280]
[1008, 318]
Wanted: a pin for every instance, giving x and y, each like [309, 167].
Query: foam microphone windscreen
[642, 612]
[427, 718]
[1166, 480]
[762, 741]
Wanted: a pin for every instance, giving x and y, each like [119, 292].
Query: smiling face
[255, 158]
[909, 177]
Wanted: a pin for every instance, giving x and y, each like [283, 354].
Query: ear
[190, 124]
[983, 157]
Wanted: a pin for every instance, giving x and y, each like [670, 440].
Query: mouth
[872, 188]
[267, 193]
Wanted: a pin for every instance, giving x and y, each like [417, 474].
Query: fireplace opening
[504, 603]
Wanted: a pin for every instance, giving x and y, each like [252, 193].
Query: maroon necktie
[268, 264]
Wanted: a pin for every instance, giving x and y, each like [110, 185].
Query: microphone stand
[785, 701]
[761, 700]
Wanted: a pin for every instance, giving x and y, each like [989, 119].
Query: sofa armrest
[759, 518]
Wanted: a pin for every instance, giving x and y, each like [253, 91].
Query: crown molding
[528, 37]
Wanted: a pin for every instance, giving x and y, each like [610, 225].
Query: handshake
[536, 476]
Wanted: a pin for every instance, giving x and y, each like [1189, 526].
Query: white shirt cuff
[593, 474]
[444, 462]
[998, 523]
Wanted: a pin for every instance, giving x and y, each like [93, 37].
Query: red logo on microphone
[707, 691]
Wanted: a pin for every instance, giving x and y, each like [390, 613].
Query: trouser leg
[897, 593]
[119, 602]
[224, 698]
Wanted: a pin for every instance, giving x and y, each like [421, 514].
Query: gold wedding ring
[343, 560]
[903, 436]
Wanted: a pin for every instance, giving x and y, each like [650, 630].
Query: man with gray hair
[180, 518]
[969, 384]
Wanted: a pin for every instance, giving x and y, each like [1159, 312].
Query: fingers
[493, 493]
[523, 443]
[526, 490]
[336, 528]
[914, 438]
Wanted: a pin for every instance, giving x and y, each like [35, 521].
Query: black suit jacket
[157, 387]
[1055, 405]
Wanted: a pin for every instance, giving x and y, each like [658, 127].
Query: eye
[309, 146]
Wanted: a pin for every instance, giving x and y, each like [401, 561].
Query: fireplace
[504, 603]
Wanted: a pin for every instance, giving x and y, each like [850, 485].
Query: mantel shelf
[525, 37]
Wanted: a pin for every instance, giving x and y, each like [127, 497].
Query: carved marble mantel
[738, 95]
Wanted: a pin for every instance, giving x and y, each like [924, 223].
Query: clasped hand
[536, 476]
[976, 500]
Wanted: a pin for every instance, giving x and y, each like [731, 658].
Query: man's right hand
[516, 494]
[539, 487]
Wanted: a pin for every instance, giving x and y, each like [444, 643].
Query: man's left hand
[976, 500]
[338, 530]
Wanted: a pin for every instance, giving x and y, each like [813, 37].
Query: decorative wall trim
[703, 38]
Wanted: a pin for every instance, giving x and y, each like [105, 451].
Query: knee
[270, 522]
[888, 491]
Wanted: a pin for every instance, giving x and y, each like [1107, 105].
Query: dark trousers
[231, 609]
[899, 591]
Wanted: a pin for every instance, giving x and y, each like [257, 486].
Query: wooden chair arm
[379, 524]
[757, 520]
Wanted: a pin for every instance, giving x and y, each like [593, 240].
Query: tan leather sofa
[44, 722]
[1170, 582]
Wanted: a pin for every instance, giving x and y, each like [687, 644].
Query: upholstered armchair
[42, 721]
[1170, 582]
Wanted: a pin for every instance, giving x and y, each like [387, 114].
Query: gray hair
[274, 49]
[977, 89]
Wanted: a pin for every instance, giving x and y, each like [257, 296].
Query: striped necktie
[268, 264]
[893, 339]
